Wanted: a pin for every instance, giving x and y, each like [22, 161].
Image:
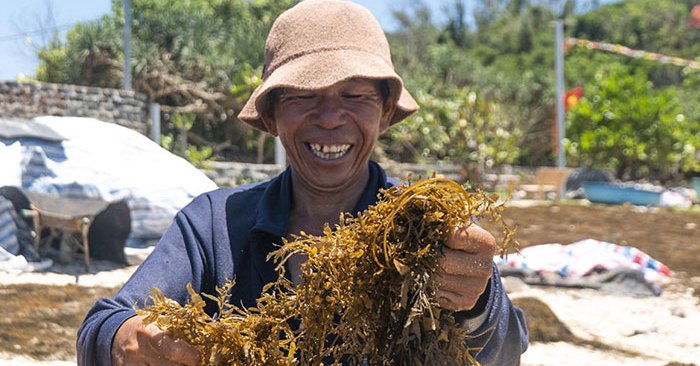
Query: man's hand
[136, 344]
[466, 267]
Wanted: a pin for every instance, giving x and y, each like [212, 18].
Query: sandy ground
[660, 329]
[656, 331]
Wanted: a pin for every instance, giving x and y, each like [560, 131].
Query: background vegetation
[484, 80]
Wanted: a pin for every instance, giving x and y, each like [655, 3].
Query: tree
[197, 57]
[203, 57]
[457, 121]
[460, 126]
[653, 26]
[659, 26]
[515, 51]
[625, 124]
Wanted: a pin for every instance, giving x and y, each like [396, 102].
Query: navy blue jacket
[228, 233]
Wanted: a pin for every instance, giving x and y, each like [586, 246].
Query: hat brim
[323, 69]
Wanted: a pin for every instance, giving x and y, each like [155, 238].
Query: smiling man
[329, 91]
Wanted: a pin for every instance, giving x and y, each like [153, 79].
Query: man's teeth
[329, 151]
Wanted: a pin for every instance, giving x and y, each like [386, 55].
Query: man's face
[329, 133]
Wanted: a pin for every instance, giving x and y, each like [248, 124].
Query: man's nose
[331, 114]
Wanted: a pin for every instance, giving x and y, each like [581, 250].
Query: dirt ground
[53, 313]
[40, 321]
[669, 235]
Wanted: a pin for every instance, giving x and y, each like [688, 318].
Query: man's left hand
[466, 267]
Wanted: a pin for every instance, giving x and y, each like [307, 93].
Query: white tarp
[577, 262]
[104, 161]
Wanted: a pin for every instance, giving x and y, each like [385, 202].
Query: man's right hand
[137, 344]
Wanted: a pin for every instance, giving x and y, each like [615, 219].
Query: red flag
[695, 17]
[572, 97]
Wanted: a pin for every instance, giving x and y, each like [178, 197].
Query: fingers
[472, 239]
[126, 346]
[459, 292]
[463, 279]
[469, 286]
[457, 262]
[136, 344]
[174, 352]
[455, 302]
[467, 265]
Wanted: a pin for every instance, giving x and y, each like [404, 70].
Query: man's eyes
[293, 97]
[303, 96]
[353, 95]
[360, 95]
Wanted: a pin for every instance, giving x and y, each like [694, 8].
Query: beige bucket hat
[318, 43]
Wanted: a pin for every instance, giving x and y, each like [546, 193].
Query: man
[329, 90]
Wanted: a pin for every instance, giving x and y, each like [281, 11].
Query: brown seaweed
[367, 294]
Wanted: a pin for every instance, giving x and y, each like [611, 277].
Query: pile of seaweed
[367, 294]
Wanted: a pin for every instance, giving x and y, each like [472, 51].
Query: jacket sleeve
[498, 334]
[176, 260]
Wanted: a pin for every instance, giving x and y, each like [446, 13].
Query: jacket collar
[272, 216]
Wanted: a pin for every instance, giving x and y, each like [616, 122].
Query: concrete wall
[32, 99]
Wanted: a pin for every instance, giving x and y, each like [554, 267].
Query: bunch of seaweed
[367, 294]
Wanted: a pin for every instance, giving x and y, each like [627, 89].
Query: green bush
[460, 127]
[624, 124]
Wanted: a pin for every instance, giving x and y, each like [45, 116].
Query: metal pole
[127, 45]
[155, 122]
[280, 154]
[559, 65]
[559, 32]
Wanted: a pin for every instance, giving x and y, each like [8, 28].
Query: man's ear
[388, 112]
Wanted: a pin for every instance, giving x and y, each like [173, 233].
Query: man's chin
[329, 180]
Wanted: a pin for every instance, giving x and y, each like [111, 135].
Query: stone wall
[229, 174]
[226, 174]
[32, 99]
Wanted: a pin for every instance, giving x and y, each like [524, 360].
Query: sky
[21, 23]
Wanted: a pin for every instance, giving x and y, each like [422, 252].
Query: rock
[542, 324]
